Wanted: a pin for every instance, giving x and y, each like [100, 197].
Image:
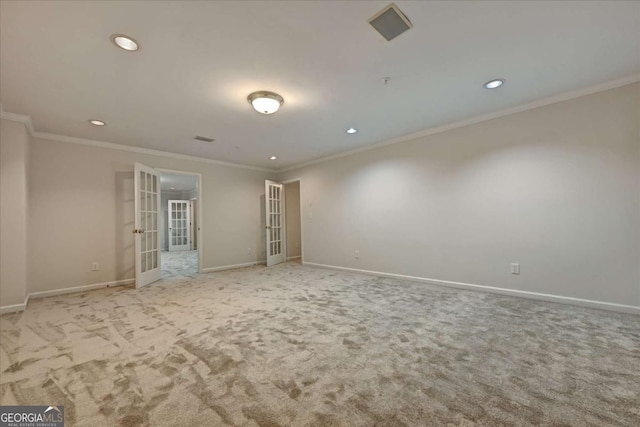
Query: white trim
[15, 308]
[634, 78]
[121, 147]
[113, 146]
[231, 267]
[290, 181]
[22, 118]
[84, 288]
[43, 294]
[291, 258]
[491, 289]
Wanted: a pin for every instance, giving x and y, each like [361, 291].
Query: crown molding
[566, 96]
[634, 78]
[22, 118]
[140, 150]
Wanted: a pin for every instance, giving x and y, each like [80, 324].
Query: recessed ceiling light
[351, 131]
[494, 84]
[173, 188]
[273, 158]
[265, 102]
[125, 42]
[97, 122]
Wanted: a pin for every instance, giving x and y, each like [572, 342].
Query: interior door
[274, 222]
[147, 209]
[179, 225]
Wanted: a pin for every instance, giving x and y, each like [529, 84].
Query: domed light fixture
[265, 102]
[351, 131]
[96, 122]
[125, 42]
[494, 84]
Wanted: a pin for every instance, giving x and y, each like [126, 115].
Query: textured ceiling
[200, 60]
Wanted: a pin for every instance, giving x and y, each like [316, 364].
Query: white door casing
[179, 225]
[273, 197]
[147, 211]
[192, 224]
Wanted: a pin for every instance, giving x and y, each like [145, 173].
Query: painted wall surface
[14, 163]
[81, 210]
[292, 214]
[556, 189]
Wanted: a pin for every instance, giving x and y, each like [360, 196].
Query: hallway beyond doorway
[179, 264]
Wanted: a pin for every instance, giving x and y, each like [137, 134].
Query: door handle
[137, 230]
[268, 227]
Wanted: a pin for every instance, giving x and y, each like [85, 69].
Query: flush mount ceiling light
[494, 84]
[97, 122]
[125, 42]
[265, 102]
[273, 158]
[351, 131]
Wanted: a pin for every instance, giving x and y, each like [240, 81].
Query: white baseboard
[491, 289]
[231, 267]
[21, 307]
[15, 308]
[291, 258]
[84, 288]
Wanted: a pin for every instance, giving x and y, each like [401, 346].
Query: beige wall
[556, 189]
[292, 214]
[14, 162]
[81, 210]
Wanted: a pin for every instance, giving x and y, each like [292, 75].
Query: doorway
[283, 226]
[180, 194]
[293, 220]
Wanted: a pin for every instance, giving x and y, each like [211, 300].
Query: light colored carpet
[298, 346]
[178, 264]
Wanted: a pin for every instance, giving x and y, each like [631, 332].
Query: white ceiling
[200, 60]
[177, 182]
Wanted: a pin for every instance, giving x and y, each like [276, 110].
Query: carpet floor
[178, 264]
[293, 345]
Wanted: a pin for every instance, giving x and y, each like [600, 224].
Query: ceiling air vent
[203, 138]
[390, 22]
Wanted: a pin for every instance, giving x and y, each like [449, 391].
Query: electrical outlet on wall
[249, 251]
[95, 266]
[356, 254]
[515, 268]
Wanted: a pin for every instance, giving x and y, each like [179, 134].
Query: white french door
[147, 209]
[179, 225]
[274, 222]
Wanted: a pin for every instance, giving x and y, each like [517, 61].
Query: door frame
[193, 219]
[284, 200]
[199, 210]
